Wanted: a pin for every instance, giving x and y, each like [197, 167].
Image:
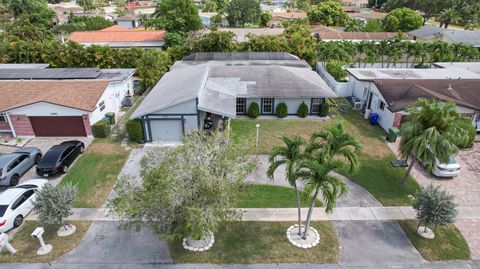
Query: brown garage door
[58, 126]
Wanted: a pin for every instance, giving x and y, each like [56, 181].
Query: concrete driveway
[44, 144]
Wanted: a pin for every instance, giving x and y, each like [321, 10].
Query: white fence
[342, 89]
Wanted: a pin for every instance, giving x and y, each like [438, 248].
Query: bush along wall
[302, 110]
[282, 110]
[324, 109]
[253, 110]
[134, 130]
[101, 129]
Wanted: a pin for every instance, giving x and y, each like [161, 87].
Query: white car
[449, 169]
[17, 202]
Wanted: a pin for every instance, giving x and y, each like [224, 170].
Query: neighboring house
[431, 33]
[364, 17]
[323, 33]
[224, 85]
[241, 33]
[128, 21]
[355, 3]
[120, 37]
[279, 17]
[60, 101]
[389, 91]
[206, 18]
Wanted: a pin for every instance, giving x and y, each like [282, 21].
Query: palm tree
[354, 25]
[430, 133]
[290, 156]
[448, 16]
[327, 151]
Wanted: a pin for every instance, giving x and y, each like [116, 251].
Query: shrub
[282, 110]
[303, 110]
[253, 110]
[434, 206]
[335, 68]
[53, 204]
[134, 130]
[324, 109]
[101, 129]
[465, 139]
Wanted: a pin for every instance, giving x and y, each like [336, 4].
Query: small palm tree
[354, 25]
[430, 133]
[290, 156]
[448, 16]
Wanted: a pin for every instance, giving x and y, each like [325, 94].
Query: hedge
[101, 129]
[134, 130]
[324, 108]
[282, 110]
[303, 110]
[253, 110]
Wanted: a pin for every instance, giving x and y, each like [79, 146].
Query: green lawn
[95, 172]
[268, 196]
[261, 242]
[448, 243]
[376, 174]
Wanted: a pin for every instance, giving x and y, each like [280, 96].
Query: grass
[448, 243]
[268, 196]
[95, 173]
[27, 246]
[261, 242]
[376, 173]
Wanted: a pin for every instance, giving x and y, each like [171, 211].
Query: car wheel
[14, 180]
[82, 149]
[65, 169]
[37, 158]
[18, 221]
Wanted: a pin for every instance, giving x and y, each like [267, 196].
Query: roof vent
[450, 87]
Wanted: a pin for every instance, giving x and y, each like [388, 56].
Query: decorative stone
[312, 239]
[203, 244]
[425, 233]
[66, 230]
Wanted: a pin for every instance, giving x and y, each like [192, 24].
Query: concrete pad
[258, 214]
[408, 212]
[387, 213]
[468, 212]
[105, 243]
[360, 213]
[380, 244]
[339, 213]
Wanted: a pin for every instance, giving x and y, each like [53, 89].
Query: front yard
[268, 196]
[376, 174]
[261, 242]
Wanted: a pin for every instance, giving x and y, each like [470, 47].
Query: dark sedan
[59, 158]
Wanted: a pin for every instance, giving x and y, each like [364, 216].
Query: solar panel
[50, 73]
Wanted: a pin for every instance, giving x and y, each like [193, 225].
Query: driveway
[44, 144]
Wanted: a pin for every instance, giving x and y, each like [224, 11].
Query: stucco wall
[188, 107]
[292, 104]
[113, 97]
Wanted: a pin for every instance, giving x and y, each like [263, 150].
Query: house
[120, 37]
[128, 21]
[364, 17]
[279, 17]
[206, 18]
[224, 85]
[324, 33]
[241, 33]
[355, 3]
[60, 101]
[389, 91]
[432, 33]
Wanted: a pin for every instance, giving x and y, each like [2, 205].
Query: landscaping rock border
[66, 230]
[312, 239]
[205, 243]
[428, 233]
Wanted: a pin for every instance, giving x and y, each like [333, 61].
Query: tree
[209, 6]
[173, 39]
[430, 134]
[448, 16]
[211, 42]
[354, 25]
[265, 18]
[290, 156]
[53, 204]
[241, 12]
[328, 13]
[86, 4]
[434, 207]
[303, 4]
[402, 20]
[335, 68]
[374, 25]
[187, 191]
[376, 3]
[178, 15]
[390, 5]
[329, 149]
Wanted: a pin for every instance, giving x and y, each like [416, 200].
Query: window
[241, 106]
[28, 193]
[382, 106]
[316, 104]
[18, 202]
[267, 105]
[102, 106]
[3, 117]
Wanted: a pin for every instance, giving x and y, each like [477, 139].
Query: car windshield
[3, 209]
[451, 160]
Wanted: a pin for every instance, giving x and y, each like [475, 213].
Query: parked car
[17, 202]
[450, 169]
[14, 165]
[59, 158]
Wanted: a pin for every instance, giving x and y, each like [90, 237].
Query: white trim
[10, 124]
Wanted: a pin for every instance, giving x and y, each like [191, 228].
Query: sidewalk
[290, 214]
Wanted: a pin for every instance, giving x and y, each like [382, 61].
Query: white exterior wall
[113, 97]
[292, 104]
[187, 107]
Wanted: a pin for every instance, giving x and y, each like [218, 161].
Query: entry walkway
[290, 214]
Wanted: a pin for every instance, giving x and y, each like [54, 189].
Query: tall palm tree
[448, 16]
[328, 150]
[290, 156]
[430, 133]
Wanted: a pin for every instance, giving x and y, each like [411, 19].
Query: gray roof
[456, 36]
[370, 74]
[471, 66]
[428, 31]
[217, 84]
[21, 66]
[64, 73]
[233, 56]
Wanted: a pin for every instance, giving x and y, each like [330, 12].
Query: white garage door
[166, 130]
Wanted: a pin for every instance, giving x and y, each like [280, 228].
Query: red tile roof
[118, 34]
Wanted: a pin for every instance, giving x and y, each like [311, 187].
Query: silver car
[14, 165]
